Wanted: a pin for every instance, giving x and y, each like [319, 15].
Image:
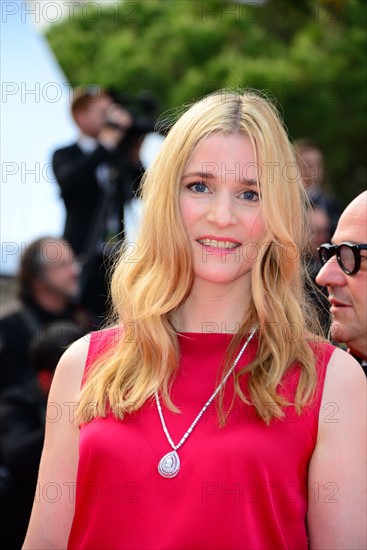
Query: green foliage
[309, 55]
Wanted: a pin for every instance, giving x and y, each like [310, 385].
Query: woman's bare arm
[337, 475]
[54, 502]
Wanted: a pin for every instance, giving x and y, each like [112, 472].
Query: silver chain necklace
[169, 465]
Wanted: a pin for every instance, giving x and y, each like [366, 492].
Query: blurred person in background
[319, 224]
[344, 274]
[98, 176]
[22, 426]
[323, 217]
[311, 165]
[48, 291]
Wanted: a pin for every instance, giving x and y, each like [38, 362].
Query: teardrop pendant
[169, 465]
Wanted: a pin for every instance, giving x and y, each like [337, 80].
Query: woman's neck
[213, 308]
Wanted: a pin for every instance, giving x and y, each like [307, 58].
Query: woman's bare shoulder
[69, 372]
[71, 367]
[343, 371]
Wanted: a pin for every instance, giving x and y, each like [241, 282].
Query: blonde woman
[210, 416]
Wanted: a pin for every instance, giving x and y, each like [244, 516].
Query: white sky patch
[43, 13]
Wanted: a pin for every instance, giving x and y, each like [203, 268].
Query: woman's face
[220, 207]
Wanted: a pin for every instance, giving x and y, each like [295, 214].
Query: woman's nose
[222, 212]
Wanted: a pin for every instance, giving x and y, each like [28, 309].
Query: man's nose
[331, 274]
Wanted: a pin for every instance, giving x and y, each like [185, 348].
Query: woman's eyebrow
[211, 175]
[207, 175]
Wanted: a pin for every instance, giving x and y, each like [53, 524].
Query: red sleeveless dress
[240, 487]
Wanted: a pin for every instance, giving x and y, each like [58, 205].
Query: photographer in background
[48, 283]
[98, 175]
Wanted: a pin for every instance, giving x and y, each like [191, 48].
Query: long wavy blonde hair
[153, 277]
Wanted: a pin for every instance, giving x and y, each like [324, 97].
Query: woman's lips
[218, 246]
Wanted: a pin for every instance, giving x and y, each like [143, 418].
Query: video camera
[143, 107]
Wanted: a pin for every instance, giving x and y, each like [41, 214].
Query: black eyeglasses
[347, 254]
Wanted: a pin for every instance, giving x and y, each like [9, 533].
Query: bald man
[344, 273]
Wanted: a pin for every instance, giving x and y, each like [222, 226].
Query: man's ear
[79, 117]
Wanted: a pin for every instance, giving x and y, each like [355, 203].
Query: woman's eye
[198, 187]
[250, 196]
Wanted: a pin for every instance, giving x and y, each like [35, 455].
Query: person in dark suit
[48, 291]
[96, 179]
[311, 166]
[22, 427]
